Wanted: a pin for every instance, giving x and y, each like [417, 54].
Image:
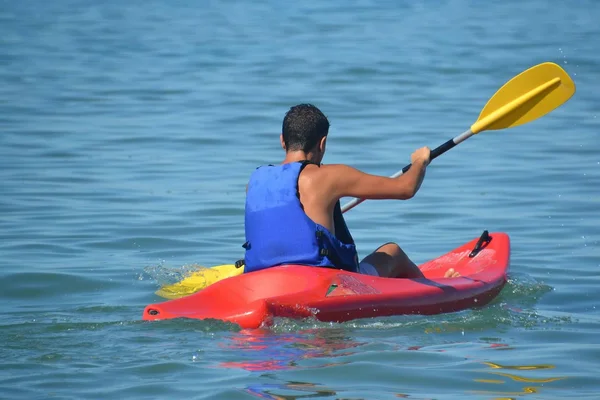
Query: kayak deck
[295, 291]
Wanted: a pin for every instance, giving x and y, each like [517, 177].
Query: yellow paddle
[526, 97]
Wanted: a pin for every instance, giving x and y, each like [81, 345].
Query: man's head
[305, 129]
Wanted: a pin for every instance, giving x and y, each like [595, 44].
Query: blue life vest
[278, 231]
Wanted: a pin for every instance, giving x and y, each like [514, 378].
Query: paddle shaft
[438, 151]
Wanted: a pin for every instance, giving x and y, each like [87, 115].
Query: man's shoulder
[318, 182]
[336, 170]
[325, 170]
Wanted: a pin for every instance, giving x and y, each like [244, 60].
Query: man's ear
[282, 141]
[323, 144]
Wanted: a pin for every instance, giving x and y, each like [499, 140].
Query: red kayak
[294, 291]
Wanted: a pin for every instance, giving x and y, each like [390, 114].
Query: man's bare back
[315, 195]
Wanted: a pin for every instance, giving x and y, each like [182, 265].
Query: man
[293, 213]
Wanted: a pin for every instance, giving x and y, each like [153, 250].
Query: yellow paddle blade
[198, 281]
[526, 97]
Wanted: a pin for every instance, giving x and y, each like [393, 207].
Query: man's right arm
[350, 182]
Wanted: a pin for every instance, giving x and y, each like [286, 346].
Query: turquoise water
[128, 131]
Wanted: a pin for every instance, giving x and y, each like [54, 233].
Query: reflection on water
[519, 367]
[514, 377]
[301, 390]
[267, 351]
[293, 390]
[263, 350]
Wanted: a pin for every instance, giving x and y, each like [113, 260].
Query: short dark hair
[303, 126]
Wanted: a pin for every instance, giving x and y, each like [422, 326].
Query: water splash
[164, 275]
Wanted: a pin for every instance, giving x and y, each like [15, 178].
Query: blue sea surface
[128, 131]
